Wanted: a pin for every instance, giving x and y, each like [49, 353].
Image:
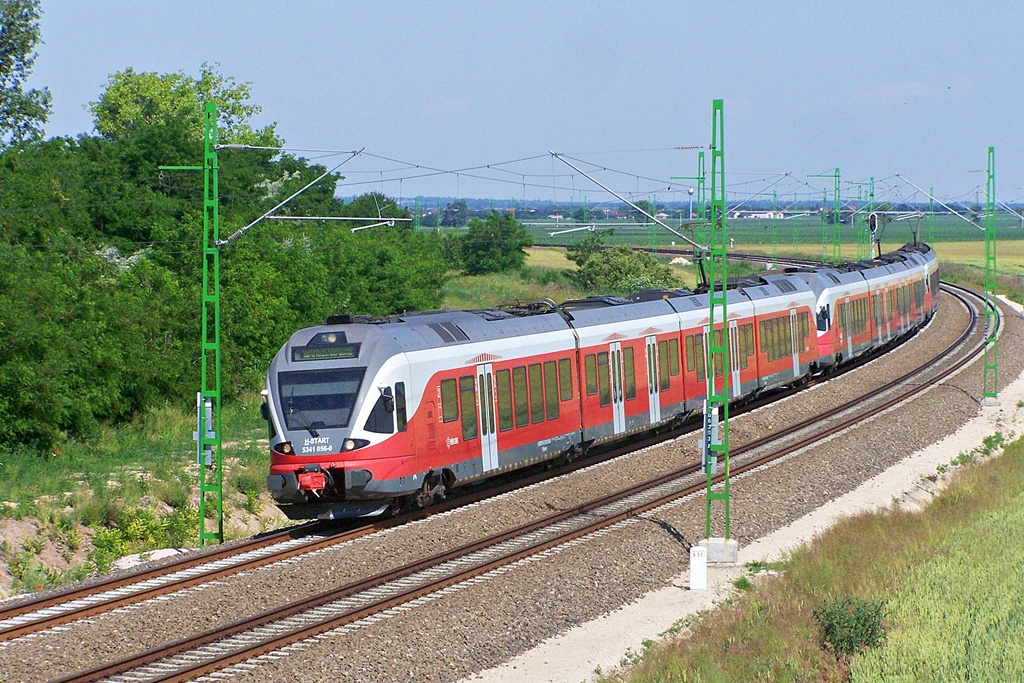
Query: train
[370, 415]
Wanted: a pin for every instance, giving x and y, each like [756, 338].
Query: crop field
[954, 239]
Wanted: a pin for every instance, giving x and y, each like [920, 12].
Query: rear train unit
[371, 414]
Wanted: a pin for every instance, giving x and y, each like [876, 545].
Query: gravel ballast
[480, 625]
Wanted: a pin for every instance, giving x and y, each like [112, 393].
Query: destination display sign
[325, 352]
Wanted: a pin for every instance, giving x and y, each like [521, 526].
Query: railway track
[379, 596]
[91, 599]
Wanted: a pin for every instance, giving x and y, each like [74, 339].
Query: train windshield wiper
[292, 410]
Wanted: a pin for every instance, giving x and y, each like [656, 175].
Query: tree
[495, 244]
[648, 206]
[581, 215]
[134, 100]
[580, 252]
[455, 214]
[620, 270]
[22, 112]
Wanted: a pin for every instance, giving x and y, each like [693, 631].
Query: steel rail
[68, 606]
[301, 606]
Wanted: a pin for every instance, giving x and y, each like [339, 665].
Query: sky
[916, 88]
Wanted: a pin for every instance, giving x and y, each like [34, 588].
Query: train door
[796, 340]
[488, 434]
[734, 358]
[847, 329]
[888, 314]
[618, 407]
[653, 381]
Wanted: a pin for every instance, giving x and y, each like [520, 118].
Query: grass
[542, 278]
[943, 579]
[129, 489]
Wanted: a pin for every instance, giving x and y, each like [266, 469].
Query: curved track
[372, 597]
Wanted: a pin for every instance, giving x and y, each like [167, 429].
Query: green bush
[849, 625]
[620, 270]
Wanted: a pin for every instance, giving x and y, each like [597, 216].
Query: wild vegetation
[890, 595]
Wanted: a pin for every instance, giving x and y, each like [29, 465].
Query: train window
[520, 395]
[689, 353]
[741, 346]
[490, 404]
[766, 339]
[652, 380]
[750, 338]
[805, 330]
[720, 358]
[504, 381]
[467, 396]
[449, 401]
[591, 369]
[551, 388]
[380, 420]
[319, 398]
[602, 378]
[823, 318]
[663, 365]
[630, 371]
[536, 394]
[565, 379]
[673, 354]
[698, 352]
[400, 408]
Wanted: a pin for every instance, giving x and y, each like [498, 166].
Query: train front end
[335, 403]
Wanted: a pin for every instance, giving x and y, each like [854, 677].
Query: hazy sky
[919, 88]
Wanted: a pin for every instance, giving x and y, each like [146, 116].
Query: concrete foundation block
[721, 550]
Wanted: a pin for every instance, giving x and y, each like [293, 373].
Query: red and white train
[368, 414]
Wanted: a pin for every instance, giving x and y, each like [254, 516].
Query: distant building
[757, 214]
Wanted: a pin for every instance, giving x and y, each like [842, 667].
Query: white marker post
[698, 568]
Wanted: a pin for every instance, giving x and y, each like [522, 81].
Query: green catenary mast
[698, 227]
[208, 400]
[836, 218]
[718, 317]
[990, 385]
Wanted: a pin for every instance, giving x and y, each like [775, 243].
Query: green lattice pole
[698, 227]
[860, 230]
[931, 216]
[211, 484]
[775, 228]
[990, 386]
[208, 399]
[837, 224]
[718, 317]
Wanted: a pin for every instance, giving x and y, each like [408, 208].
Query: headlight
[285, 447]
[348, 445]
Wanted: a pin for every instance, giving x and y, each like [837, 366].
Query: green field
[803, 230]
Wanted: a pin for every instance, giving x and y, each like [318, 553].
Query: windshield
[320, 399]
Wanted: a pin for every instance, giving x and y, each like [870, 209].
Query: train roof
[431, 329]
